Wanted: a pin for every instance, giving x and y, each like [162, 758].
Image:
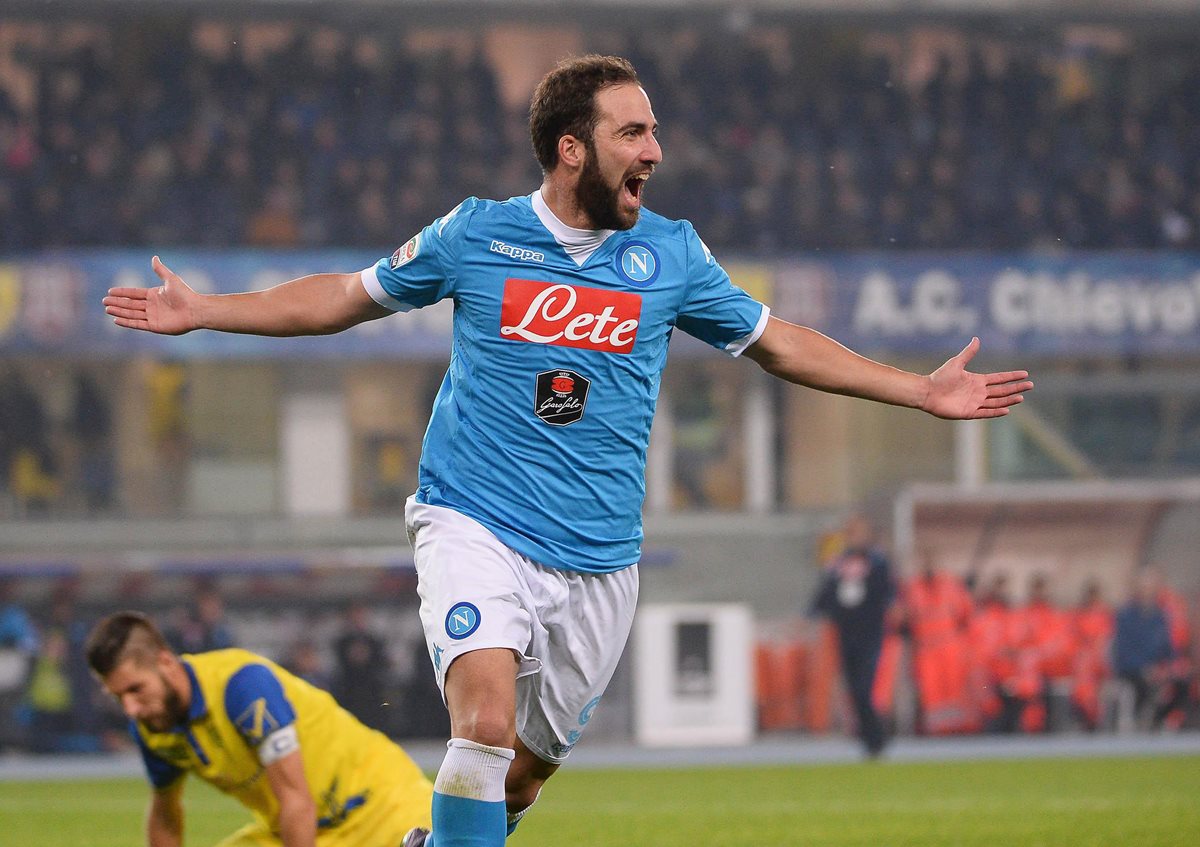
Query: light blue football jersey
[541, 425]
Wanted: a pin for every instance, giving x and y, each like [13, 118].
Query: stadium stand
[895, 138]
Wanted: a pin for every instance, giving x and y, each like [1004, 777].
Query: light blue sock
[468, 796]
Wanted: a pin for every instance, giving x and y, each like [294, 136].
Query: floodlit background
[901, 176]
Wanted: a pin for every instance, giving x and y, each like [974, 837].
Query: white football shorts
[569, 628]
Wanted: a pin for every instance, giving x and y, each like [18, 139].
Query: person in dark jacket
[856, 593]
[1141, 648]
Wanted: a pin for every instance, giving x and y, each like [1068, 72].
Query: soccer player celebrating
[311, 773]
[526, 525]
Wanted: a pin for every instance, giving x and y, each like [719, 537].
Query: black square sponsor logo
[560, 396]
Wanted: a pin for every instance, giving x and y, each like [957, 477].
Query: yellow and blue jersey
[367, 790]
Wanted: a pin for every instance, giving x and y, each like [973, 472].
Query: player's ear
[572, 152]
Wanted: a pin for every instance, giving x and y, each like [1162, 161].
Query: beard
[174, 712]
[600, 201]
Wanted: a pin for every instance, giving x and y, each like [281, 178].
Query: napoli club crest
[462, 620]
[560, 396]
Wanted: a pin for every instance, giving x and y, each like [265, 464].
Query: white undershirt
[579, 244]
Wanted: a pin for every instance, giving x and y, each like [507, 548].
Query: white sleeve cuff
[370, 281]
[279, 744]
[738, 347]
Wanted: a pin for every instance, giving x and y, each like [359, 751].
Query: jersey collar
[198, 708]
[579, 244]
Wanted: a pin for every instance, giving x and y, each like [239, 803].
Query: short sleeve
[422, 271]
[159, 772]
[256, 704]
[715, 310]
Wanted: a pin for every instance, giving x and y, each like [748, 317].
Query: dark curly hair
[564, 102]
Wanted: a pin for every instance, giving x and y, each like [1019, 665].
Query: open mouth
[633, 186]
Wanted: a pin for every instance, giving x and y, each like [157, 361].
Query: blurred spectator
[1142, 651]
[91, 423]
[698, 434]
[1046, 650]
[855, 594]
[360, 681]
[999, 690]
[18, 645]
[64, 711]
[17, 631]
[937, 611]
[65, 618]
[166, 390]
[50, 699]
[1092, 628]
[304, 660]
[1178, 672]
[202, 627]
[29, 467]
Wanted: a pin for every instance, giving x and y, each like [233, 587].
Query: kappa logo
[407, 253]
[570, 315]
[521, 254]
[462, 620]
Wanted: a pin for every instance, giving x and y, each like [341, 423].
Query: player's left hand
[957, 394]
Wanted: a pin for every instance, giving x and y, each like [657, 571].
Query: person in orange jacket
[989, 656]
[937, 609]
[1092, 627]
[1006, 668]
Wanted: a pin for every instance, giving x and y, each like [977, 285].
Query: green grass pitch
[1124, 802]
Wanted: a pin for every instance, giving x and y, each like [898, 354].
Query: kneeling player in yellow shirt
[311, 773]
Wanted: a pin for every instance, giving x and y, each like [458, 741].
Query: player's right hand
[169, 309]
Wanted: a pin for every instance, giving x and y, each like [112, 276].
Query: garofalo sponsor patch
[560, 397]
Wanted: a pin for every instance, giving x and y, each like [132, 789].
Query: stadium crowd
[792, 135]
[50, 703]
[971, 659]
[986, 663]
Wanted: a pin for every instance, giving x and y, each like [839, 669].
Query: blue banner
[1064, 306]
[51, 304]
[1070, 305]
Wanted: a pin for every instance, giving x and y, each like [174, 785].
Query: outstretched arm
[806, 357]
[320, 304]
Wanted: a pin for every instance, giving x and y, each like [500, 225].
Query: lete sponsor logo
[569, 315]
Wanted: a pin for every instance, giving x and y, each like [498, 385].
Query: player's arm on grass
[806, 357]
[320, 304]
[164, 819]
[297, 811]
